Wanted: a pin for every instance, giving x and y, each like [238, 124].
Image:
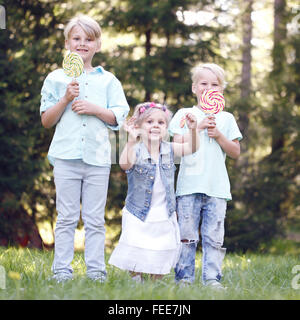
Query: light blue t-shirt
[205, 171]
[83, 136]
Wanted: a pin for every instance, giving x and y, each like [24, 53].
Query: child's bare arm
[230, 147]
[207, 122]
[128, 156]
[189, 143]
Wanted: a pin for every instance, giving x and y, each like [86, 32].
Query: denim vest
[141, 179]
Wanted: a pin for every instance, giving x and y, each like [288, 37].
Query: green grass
[249, 276]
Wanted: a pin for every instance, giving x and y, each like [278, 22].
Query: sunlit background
[151, 47]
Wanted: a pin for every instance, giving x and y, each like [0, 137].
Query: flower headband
[152, 105]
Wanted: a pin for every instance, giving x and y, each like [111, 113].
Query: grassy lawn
[250, 276]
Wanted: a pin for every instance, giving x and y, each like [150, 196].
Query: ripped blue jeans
[193, 209]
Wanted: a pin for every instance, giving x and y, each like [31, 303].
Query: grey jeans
[79, 183]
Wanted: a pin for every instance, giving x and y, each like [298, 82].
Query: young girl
[80, 148]
[150, 241]
[203, 186]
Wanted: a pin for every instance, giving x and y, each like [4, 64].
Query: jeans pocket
[188, 220]
[184, 207]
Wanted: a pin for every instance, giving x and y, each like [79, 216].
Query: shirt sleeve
[174, 126]
[49, 96]
[117, 103]
[233, 130]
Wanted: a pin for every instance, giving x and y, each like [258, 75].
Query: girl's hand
[72, 91]
[191, 121]
[84, 107]
[207, 122]
[133, 131]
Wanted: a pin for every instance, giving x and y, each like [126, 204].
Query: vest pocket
[169, 170]
[140, 170]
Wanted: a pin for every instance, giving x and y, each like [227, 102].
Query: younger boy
[203, 184]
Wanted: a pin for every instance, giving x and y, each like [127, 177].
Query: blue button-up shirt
[83, 136]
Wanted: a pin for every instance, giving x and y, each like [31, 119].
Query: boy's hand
[84, 107]
[72, 91]
[213, 132]
[191, 121]
[207, 122]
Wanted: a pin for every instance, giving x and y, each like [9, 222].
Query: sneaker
[214, 284]
[137, 278]
[98, 276]
[62, 277]
[184, 283]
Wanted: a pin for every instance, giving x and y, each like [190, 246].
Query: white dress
[150, 246]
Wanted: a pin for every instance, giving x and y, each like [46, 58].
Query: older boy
[80, 149]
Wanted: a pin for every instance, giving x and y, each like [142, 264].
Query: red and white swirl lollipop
[212, 102]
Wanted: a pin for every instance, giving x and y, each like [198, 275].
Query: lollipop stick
[210, 139]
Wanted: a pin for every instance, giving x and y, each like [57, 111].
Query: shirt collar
[198, 109]
[98, 69]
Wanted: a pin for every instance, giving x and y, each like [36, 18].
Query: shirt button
[151, 178]
[149, 191]
[86, 83]
[85, 96]
[84, 124]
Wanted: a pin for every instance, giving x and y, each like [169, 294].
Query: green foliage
[154, 65]
[264, 190]
[22, 140]
[163, 71]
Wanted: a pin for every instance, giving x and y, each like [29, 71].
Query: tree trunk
[246, 55]
[17, 227]
[147, 68]
[246, 70]
[279, 59]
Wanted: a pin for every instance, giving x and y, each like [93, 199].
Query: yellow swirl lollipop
[73, 64]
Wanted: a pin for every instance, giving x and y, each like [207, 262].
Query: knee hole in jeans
[188, 241]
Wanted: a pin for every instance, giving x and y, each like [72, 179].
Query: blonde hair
[143, 110]
[88, 25]
[214, 68]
